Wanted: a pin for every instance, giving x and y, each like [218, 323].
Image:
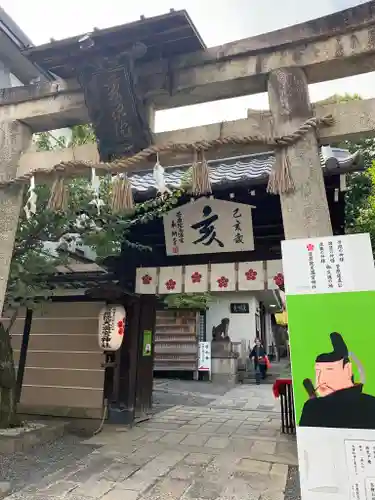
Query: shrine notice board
[330, 298]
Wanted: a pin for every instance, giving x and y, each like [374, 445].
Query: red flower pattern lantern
[121, 327]
[170, 284]
[146, 279]
[196, 277]
[251, 275]
[222, 282]
[279, 279]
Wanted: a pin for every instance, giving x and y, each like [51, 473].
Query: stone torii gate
[283, 63]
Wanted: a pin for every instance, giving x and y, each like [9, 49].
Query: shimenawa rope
[280, 180]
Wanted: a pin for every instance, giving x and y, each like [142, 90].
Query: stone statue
[220, 332]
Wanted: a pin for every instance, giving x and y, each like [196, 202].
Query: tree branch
[12, 320]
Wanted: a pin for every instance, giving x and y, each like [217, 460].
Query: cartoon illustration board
[337, 400]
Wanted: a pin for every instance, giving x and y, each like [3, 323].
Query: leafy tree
[359, 184]
[196, 301]
[34, 262]
[364, 221]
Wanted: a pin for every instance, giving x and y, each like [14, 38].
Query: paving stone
[198, 459]
[190, 428]
[60, 488]
[184, 471]
[152, 436]
[140, 481]
[204, 490]
[285, 458]
[253, 466]
[279, 470]
[167, 489]
[139, 457]
[116, 454]
[272, 495]
[172, 438]
[140, 467]
[167, 426]
[217, 442]
[163, 462]
[95, 465]
[118, 472]
[199, 420]
[70, 496]
[121, 494]
[287, 448]
[94, 488]
[259, 482]
[195, 440]
[241, 444]
[147, 475]
[264, 447]
[225, 430]
[238, 489]
[209, 428]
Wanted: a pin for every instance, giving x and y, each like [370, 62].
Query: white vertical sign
[204, 362]
[328, 265]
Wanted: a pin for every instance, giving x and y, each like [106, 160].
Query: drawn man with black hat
[337, 401]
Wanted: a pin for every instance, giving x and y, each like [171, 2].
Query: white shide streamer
[95, 185]
[159, 179]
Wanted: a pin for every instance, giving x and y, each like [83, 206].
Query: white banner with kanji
[209, 226]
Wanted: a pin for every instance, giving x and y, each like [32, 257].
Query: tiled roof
[251, 169]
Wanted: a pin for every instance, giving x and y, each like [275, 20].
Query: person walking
[259, 355]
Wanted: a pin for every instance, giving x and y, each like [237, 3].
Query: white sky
[218, 21]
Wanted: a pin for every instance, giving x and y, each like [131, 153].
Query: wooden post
[23, 353]
[305, 210]
[128, 362]
[145, 369]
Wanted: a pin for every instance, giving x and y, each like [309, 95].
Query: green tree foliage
[33, 263]
[196, 301]
[364, 221]
[360, 184]
[105, 233]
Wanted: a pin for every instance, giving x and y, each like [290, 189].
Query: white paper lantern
[111, 327]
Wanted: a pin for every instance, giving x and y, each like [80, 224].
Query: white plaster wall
[241, 326]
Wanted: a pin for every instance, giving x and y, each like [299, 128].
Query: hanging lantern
[111, 327]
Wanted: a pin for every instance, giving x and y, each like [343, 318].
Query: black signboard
[240, 308]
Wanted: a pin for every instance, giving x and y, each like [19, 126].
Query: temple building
[225, 246]
[251, 298]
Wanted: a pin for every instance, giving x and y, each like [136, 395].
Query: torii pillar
[15, 138]
[305, 210]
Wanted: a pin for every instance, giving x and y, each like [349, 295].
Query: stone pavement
[213, 452]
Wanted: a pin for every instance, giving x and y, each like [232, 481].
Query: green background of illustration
[311, 318]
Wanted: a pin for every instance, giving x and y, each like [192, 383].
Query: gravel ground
[21, 469]
[292, 490]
